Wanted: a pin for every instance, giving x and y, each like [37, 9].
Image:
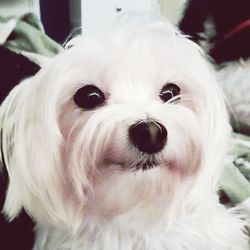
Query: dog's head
[125, 124]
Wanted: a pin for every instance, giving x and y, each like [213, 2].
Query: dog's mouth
[143, 164]
[146, 164]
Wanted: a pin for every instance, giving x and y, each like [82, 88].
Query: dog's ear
[7, 116]
[30, 140]
[216, 129]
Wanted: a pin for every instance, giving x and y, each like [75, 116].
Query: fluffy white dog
[118, 143]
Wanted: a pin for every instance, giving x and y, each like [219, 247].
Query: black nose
[149, 136]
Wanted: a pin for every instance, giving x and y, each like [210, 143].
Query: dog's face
[128, 124]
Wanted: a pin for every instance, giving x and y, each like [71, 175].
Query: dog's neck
[190, 231]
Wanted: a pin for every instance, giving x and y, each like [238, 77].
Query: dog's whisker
[180, 98]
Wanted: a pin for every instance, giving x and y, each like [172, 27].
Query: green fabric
[235, 181]
[28, 35]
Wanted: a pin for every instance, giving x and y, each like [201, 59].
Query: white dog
[118, 144]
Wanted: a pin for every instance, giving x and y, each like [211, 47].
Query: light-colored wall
[172, 9]
[98, 15]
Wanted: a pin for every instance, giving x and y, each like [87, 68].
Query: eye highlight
[89, 97]
[169, 91]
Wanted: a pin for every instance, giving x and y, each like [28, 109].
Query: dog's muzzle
[148, 136]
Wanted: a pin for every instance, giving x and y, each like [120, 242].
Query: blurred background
[61, 17]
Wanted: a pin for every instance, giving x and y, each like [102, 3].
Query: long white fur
[72, 169]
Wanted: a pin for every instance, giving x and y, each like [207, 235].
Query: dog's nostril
[149, 136]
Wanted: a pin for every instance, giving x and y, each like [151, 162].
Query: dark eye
[89, 97]
[169, 91]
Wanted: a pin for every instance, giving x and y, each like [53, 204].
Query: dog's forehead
[143, 57]
[137, 49]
